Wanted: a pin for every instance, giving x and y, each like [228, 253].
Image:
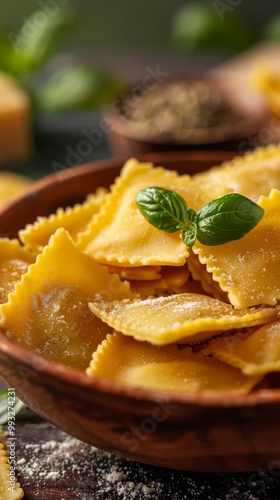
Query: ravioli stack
[97, 288]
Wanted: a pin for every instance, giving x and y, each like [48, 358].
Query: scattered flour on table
[77, 471]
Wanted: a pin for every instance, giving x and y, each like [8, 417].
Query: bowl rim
[31, 359]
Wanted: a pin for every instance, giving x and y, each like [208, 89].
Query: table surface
[54, 466]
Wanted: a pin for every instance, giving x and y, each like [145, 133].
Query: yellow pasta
[120, 235]
[256, 354]
[8, 491]
[177, 318]
[112, 295]
[146, 273]
[14, 261]
[252, 175]
[248, 269]
[168, 368]
[51, 303]
[74, 219]
[199, 272]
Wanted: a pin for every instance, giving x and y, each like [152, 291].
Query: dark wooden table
[54, 466]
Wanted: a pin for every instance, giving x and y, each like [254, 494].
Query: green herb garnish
[224, 219]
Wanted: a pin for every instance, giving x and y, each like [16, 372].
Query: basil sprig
[224, 219]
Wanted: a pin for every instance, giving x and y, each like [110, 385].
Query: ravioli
[154, 280]
[251, 175]
[177, 318]
[74, 219]
[168, 368]
[14, 261]
[255, 354]
[200, 273]
[145, 273]
[51, 303]
[113, 296]
[120, 235]
[6, 493]
[248, 268]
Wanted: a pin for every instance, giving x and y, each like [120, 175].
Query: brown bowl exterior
[200, 432]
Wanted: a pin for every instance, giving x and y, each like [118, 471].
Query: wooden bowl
[126, 137]
[197, 432]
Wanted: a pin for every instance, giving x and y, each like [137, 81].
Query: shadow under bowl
[197, 432]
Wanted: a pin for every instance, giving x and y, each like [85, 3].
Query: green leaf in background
[226, 219]
[199, 25]
[72, 87]
[271, 30]
[37, 43]
[18, 406]
[162, 208]
[76, 86]
[28, 50]
[11, 61]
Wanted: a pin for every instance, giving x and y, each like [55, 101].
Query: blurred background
[134, 25]
[66, 65]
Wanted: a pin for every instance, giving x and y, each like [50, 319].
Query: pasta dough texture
[14, 261]
[111, 239]
[111, 295]
[255, 354]
[252, 175]
[248, 269]
[51, 301]
[75, 220]
[165, 368]
[177, 318]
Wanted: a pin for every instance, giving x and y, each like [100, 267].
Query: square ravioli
[255, 353]
[14, 262]
[51, 303]
[121, 236]
[73, 219]
[112, 295]
[248, 268]
[252, 175]
[168, 368]
[185, 317]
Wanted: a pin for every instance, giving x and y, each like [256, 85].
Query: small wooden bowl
[197, 432]
[126, 137]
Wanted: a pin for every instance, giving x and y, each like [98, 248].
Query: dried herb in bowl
[173, 108]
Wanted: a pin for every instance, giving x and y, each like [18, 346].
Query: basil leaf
[162, 208]
[191, 215]
[226, 219]
[189, 235]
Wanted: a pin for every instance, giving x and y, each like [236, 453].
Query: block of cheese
[15, 121]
